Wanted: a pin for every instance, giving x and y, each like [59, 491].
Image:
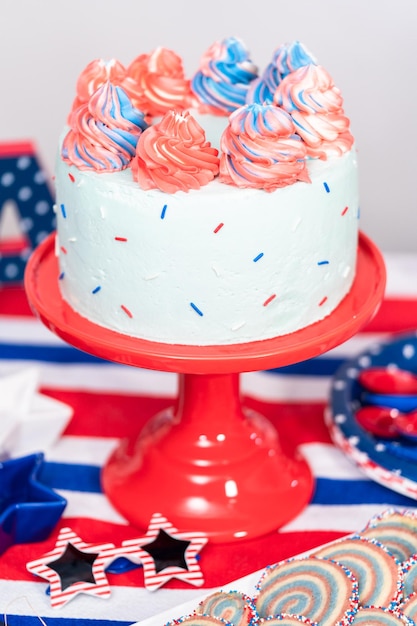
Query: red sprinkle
[345, 210]
[268, 300]
[71, 177]
[216, 230]
[120, 239]
[323, 301]
[64, 250]
[126, 310]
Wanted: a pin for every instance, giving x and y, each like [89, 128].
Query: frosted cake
[220, 209]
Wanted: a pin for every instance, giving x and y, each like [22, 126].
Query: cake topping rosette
[286, 59]
[174, 155]
[316, 107]
[226, 71]
[104, 131]
[94, 75]
[156, 82]
[261, 150]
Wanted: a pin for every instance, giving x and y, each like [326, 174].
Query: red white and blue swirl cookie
[232, 606]
[396, 530]
[285, 619]
[379, 616]
[321, 590]
[378, 573]
[199, 620]
[409, 568]
[409, 606]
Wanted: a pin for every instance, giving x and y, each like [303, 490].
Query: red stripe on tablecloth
[242, 558]
[394, 315]
[113, 415]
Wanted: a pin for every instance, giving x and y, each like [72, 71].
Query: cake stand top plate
[357, 308]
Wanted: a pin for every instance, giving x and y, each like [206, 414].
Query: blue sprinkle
[63, 211]
[96, 289]
[61, 276]
[196, 309]
[164, 209]
[359, 212]
[260, 255]
[323, 263]
[327, 188]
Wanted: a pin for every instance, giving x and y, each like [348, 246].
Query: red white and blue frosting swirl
[315, 104]
[286, 59]
[104, 131]
[222, 82]
[261, 150]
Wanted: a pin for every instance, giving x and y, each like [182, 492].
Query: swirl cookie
[409, 607]
[199, 620]
[378, 616]
[409, 570]
[321, 590]
[231, 606]
[284, 619]
[378, 574]
[396, 530]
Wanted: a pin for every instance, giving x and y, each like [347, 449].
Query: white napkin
[29, 421]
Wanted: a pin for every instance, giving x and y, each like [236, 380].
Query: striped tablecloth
[104, 396]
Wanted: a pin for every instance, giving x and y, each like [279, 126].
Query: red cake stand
[207, 464]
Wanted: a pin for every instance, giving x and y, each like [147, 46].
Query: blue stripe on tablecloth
[54, 354]
[86, 478]
[317, 366]
[71, 477]
[24, 620]
[339, 492]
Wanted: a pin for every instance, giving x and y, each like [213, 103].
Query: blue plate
[392, 463]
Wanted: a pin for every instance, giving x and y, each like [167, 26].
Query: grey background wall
[369, 47]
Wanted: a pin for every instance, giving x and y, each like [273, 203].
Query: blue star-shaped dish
[28, 510]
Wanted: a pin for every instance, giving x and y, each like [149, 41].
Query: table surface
[111, 401]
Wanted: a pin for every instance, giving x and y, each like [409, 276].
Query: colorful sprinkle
[323, 263]
[345, 210]
[164, 209]
[196, 309]
[216, 230]
[259, 256]
[61, 276]
[96, 289]
[268, 300]
[63, 211]
[126, 310]
[120, 238]
[64, 250]
[323, 301]
[71, 177]
[327, 188]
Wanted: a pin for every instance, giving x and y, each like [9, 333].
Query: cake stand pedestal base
[208, 463]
